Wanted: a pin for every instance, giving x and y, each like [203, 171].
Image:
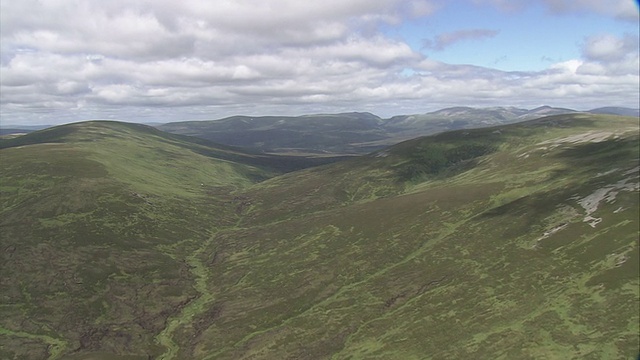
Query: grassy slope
[98, 222]
[358, 261]
[482, 243]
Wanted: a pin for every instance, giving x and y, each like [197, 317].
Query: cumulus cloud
[444, 40]
[189, 53]
[619, 9]
[161, 29]
[164, 60]
[610, 48]
[609, 55]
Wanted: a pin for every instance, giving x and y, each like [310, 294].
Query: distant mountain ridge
[349, 133]
[612, 110]
[323, 133]
[356, 132]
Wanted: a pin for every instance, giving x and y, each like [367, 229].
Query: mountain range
[513, 241]
[355, 133]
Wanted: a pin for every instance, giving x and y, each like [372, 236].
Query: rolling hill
[515, 241]
[91, 215]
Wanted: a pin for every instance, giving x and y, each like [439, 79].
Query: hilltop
[511, 241]
[127, 134]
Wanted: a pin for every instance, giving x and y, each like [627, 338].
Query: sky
[164, 60]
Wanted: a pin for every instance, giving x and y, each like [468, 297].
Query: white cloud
[166, 60]
[610, 48]
[619, 9]
[160, 29]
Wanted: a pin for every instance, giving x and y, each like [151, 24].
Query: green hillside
[511, 242]
[94, 217]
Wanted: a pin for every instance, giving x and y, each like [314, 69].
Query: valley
[514, 241]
